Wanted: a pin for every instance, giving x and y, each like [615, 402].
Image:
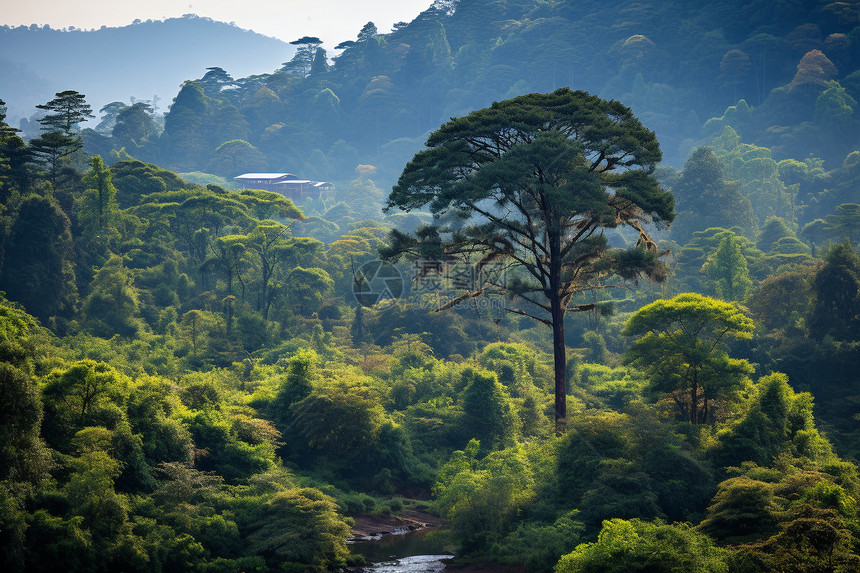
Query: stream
[411, 552]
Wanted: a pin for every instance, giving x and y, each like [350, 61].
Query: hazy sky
[332, 20]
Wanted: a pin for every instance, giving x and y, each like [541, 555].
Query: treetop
[694, 314]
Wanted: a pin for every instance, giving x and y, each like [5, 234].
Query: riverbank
[483, 568]
[373, 526]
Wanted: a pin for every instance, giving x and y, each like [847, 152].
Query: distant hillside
[114, 64]
[683, 67]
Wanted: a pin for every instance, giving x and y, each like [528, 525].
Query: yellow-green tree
[681, 346]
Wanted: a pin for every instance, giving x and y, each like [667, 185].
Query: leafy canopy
[534, 181]
[680, 346]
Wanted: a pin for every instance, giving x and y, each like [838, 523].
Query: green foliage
[488, 416]
[69, 109]
[727, 269]
[844, 223]
[836, 288]
[637, 545]
[778, 421]
[741, 507]
[308, 288]
[693, 258]
[113, 304]
[86, 393]
[681, 346]
[341, 416]
[774, 229]
[537, 545]
[781, 301]
[224, 452]
[480, 499]
[300, 526]
[38, 266]
[758, 174]
[541, 214]
[23, 457]
[628, 466]
[294, 387]
[704, 199]
[168, 458]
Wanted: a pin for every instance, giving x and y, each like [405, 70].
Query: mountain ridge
[138, 60]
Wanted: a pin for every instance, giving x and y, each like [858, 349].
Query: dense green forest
[620, 336]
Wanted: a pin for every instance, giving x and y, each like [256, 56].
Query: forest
[587, 288]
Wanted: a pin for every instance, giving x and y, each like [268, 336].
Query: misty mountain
[142, 60]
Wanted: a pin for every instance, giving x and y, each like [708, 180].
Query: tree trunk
[694, 398]
[265, 302]
[558, 348]
[560, 354]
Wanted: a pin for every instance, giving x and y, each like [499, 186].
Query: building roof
[265, 176]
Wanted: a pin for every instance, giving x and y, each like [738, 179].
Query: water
[412, 552]
[414, 564]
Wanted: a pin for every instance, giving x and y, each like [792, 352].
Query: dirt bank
[367, 525]
[483, 568]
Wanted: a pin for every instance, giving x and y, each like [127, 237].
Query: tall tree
[837, 294]
[844, 222]
[98, 214]
[303, 60]
[61, 139]
[134, 124]
[704, 199]
[65, 112]
[50, 149]
[38, 267]
[14, 155]
[267, 240]
[727, 269]
[536, 180]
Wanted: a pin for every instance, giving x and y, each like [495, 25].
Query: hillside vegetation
[195, 377]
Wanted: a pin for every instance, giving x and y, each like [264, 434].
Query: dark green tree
[535, 181]
[487, 408]
[134, 124]
[38, 267]
[268, 242]
[778, 422]
[306, 288]
[215, 79]
[304, 59]
[87, 393]
[113, 304]
[51, 148]
[300, 529]
[185, 141]
[704, 199]
[774, 229]
[23, 457]
[60, 138]
[98, 217]
[837, 294]
[108, 118]
[780, 301]
[14, 155]
[844, 223]
[65, 112]
[358, 329]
